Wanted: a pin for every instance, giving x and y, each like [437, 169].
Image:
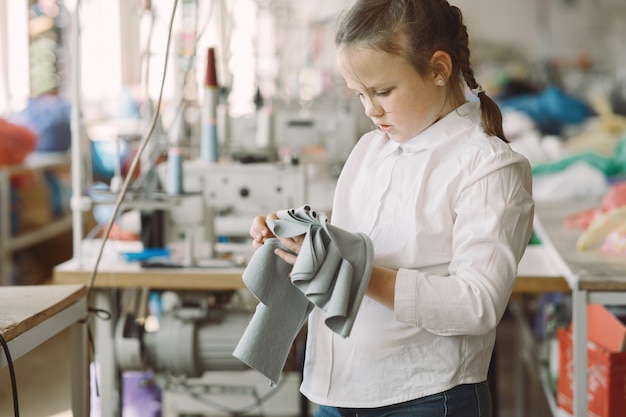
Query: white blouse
[451, 210]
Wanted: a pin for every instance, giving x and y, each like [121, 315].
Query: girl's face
[400, 101]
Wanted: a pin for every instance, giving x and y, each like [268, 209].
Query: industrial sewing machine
[219, 202]
[191, 334]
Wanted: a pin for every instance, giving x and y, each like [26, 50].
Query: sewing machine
[219, 202]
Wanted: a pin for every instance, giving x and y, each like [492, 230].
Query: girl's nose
[372, 109]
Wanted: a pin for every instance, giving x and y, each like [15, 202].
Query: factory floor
[44, 390]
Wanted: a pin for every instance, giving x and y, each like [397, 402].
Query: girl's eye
[383, 93]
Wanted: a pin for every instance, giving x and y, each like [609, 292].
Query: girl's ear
[441, 64]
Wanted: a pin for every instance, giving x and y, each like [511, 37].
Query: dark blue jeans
[468, 400]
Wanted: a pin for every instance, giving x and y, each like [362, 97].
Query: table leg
[80, 366]
[108, 380]
[579, 328]
[519, 373]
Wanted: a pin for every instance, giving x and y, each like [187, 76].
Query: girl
[448, 206]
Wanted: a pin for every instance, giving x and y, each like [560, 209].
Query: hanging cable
[5, 346]
[135, 161]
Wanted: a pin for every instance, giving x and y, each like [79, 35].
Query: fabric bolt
[331, 272]
[451, 210]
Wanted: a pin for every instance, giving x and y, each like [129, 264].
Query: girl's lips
[385, 128]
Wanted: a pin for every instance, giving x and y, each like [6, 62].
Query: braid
[491, 114]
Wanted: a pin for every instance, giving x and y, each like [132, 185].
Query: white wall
[14, 80]
[505, 35]
[538, 29]
[554, 29]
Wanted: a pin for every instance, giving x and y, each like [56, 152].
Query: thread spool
[208, 135]
[188, 251]
[264, 128]
[174, 185]
[223, 122]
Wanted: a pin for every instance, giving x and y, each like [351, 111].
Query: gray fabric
[282, 311]
[332, 272]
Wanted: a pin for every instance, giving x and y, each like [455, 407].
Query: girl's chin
[397, 138]
[394, 135]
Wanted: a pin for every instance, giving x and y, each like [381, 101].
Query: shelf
[9, 243]
[24, 240]
[39, 161]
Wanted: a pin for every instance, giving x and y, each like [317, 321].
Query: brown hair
[416, 29]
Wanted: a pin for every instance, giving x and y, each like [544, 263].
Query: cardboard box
[606, 389]
[605, 329]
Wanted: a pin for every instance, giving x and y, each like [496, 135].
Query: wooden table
[30, 315]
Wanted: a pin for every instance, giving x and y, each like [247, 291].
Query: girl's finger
[286, 256]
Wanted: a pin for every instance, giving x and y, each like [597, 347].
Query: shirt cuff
[405, 297]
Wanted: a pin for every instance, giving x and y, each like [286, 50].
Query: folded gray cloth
[332, 272]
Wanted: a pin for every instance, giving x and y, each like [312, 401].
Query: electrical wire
[7, 353]
[146, 53]
[5, 346]
[102, 314]
[136, 158]
[206, 21]
[157, 152]
[160, 148]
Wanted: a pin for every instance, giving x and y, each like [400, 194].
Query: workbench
[593, 277]
[31, 315]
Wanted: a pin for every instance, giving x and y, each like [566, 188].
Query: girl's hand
[259, 230]
[293, 244]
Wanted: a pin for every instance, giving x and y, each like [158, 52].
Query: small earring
[440, 82]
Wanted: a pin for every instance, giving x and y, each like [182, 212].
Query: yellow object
[611, 122]
[615, 242]
[601, 134]
[600, 227]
